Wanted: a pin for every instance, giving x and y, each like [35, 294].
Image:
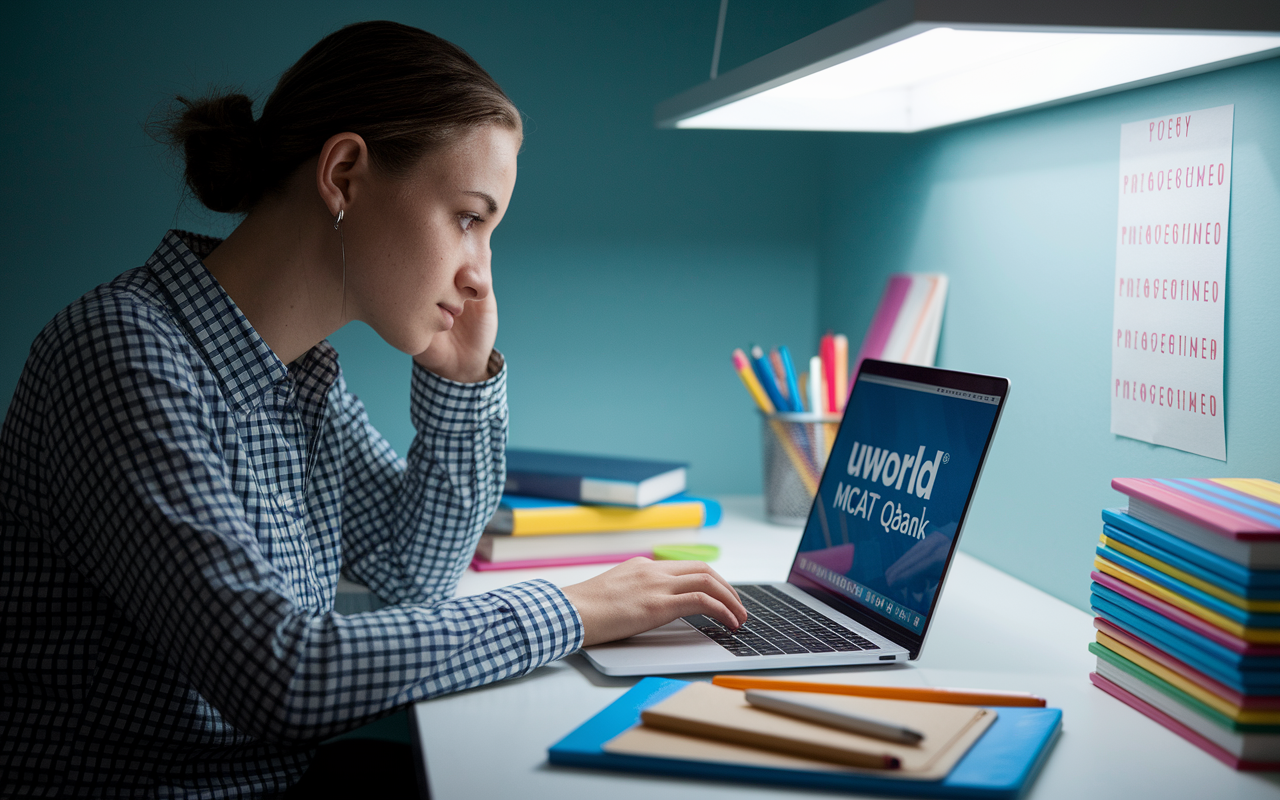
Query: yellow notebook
[706, 722]
[527, 516]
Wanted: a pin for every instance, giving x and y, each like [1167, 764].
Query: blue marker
[764, 373]
[793, 387]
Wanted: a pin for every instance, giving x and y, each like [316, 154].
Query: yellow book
[529, 516]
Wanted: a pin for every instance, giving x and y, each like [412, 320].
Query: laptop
[875, 552]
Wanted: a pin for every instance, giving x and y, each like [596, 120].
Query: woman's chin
[411, 342]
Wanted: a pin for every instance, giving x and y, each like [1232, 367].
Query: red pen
[827, 352]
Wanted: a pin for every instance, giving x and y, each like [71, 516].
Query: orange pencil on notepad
[960, 697]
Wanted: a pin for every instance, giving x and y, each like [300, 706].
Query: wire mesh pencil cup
[796, 447]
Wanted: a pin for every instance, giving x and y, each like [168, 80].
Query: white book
[1245, 746]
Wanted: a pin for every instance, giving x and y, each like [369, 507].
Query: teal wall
[632, 260]
[1020, 213]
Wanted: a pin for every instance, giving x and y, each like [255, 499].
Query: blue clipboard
[1002, 764]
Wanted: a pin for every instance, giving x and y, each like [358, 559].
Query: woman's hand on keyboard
[639, 595]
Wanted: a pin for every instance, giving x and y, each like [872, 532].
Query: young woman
[184, 474]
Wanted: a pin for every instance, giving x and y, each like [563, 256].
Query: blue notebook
[1002, 764]
[593, 479]
[1247, 683]
[1253, 619]
[1186, 645]
[1193, 560]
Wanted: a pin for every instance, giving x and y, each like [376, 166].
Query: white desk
[991, 631]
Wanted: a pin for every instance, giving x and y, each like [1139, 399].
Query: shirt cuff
[551, 626]
[440, 405]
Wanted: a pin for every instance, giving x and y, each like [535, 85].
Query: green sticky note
[686, 552]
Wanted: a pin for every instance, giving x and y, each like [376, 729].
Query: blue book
[593, 479]
[1002, 764]
[1247, 683]
[1217, 605]
[1177, 640]
[1191, 559]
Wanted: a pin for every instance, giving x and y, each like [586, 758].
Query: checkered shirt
[176, 506]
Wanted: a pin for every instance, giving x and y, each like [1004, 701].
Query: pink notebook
[568, 561]
[1182, 730]
[907, 323]
[1211, 505]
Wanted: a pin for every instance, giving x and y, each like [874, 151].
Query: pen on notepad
[795, 704]
[962, 697]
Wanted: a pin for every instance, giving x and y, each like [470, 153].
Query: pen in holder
[796, 447]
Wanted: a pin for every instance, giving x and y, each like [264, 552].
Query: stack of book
[1186, 589]
[560, 509]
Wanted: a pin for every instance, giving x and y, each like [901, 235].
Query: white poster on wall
[1171, 281]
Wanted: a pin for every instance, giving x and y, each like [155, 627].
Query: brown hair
[405, 91]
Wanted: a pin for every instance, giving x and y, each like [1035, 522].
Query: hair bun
[223, 152]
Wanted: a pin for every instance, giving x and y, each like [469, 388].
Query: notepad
[747, 735]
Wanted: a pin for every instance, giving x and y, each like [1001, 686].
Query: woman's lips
[450, 314]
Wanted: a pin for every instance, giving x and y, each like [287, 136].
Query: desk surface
[991, 631]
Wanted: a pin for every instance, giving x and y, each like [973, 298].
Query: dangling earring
[337, 226]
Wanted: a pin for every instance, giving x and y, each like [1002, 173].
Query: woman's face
[417, 247]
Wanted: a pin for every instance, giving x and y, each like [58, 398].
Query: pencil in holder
[796, 447]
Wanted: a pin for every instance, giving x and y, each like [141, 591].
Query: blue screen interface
[892, 496]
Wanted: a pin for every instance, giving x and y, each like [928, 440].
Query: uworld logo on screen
[882, 466]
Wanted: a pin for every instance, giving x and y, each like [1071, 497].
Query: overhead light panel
[905, 66]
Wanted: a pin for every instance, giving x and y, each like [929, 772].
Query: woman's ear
[343, 165]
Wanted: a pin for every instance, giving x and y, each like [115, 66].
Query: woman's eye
[468, 220]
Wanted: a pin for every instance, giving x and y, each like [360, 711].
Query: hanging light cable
[715, 51]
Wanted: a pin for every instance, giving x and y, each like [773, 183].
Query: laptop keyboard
[779, 625]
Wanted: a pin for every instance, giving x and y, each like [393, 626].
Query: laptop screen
[895, 491]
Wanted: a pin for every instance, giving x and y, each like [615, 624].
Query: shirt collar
[242, 361]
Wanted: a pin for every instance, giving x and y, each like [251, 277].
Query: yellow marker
[749, 379]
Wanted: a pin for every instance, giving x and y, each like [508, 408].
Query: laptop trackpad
[677, 634]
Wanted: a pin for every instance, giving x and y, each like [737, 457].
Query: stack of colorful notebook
[560, 509]
[1187, 592]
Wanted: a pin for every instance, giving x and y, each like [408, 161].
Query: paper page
[946, 727]
[1171, 281]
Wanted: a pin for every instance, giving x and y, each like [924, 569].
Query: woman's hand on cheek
[462, 353]
[639, 595]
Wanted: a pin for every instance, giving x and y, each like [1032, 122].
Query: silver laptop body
[865, 580]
